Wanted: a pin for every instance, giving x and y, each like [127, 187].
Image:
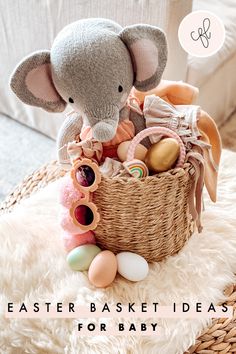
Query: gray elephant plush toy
[92, 65]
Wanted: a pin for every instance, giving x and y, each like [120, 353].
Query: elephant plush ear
[32, 82]
[148, 49]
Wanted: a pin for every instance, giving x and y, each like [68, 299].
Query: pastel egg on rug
[103, 269]
[132, 266]
[81, 257]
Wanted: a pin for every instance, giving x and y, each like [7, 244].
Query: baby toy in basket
[117, 222]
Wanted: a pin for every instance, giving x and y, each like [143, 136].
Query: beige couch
[32, 25]
[215, 76]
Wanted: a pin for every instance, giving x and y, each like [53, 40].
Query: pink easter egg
[72, 241]
[67, 223]
[68, 194]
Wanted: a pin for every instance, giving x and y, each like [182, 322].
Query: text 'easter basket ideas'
[149, 216]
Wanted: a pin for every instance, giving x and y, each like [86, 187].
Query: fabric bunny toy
[93, 65]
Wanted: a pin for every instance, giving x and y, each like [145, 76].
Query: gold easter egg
[162, 156]
[140, 151]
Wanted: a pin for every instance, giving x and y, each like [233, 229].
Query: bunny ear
[32, 82]
[148, 49]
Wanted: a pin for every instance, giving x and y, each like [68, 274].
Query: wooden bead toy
[140, 151]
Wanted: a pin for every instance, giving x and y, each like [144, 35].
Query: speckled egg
[103, 269]
[68, 194]
[140, 151]
[132, 266]
[81, 257]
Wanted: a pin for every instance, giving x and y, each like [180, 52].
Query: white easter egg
[132, 266]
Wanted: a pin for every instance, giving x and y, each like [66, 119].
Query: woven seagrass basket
[148, 216]
[219, 337]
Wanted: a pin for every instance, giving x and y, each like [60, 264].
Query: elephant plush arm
[68, 132]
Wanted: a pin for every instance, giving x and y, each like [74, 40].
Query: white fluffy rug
[33, 269]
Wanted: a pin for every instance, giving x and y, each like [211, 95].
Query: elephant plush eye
[71, 100]
[120, 88]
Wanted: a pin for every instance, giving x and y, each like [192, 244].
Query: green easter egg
[81, 257]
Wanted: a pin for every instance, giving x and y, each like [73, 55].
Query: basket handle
[157, 130]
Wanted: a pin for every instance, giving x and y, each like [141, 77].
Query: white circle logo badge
[201, 33]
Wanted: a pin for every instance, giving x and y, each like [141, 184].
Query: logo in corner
[201, 33]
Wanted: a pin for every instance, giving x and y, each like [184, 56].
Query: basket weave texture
[148, 216]
[218, 338]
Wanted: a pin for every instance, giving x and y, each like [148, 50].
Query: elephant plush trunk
[104, 124]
